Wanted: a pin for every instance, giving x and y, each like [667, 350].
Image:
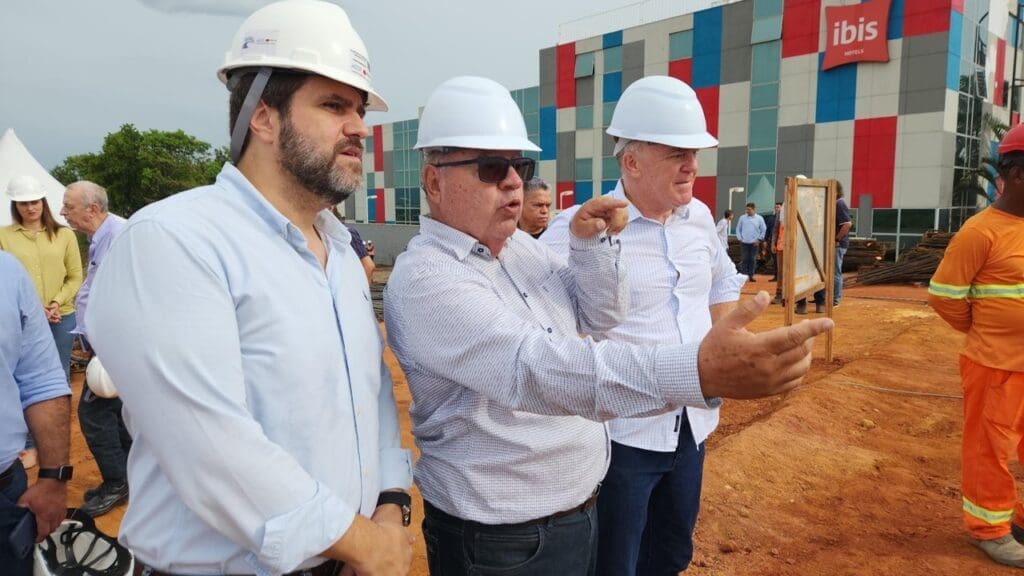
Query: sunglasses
[494, 169]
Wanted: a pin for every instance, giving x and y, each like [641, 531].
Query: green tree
[972, 184]
[138, 168]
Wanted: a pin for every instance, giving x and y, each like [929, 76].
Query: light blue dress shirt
[750, 229]
[30, 370]
[253, 384]
[99, 243]
[506, 396]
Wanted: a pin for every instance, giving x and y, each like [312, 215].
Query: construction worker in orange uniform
[979, 289]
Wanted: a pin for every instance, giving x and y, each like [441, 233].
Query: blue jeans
[648, 508]
[837, 280]
[563, 546]
[748, 258]
[63, 337]
[10, 514]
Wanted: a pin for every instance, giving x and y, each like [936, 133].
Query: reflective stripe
[998, 291]
[989, 516]
[947, 290]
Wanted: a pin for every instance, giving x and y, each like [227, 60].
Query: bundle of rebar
[915, 265]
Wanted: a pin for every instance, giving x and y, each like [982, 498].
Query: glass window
[610, 168]
[763, 8]
[613, 59]
[765, 63]
[584, 168]
[766, 29]
[532, 99]
[606, 113]
[585, 65]
[916, 221]
[906, 242]
[764, 96]
[884, 220]
[762, 161]
[584, 117]
[680, 45]
[764, 128]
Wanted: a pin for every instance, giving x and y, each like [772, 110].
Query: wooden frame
[801, 242]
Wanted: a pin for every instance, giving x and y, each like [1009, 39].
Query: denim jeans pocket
[496, 553]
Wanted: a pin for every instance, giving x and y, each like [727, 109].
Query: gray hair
[92, 193]
[623, 145]
[535, 183]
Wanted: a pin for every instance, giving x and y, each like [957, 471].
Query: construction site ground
[856, 472]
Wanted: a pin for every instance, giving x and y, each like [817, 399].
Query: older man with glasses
[507, 398]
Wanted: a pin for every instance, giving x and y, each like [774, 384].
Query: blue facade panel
[707, 48]
[548, 134]
[612, 87]
[584, 191]
[611, 39]
[837, 93]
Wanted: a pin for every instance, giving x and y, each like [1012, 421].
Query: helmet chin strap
[245, 113]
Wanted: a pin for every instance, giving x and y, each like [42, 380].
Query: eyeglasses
[494, 169]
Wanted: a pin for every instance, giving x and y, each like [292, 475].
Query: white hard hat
[78, 548]
[305, 35]
[801, 177]
[472, 112]
[300, 35]
[25, 189]
[98, 380]
[663, 110]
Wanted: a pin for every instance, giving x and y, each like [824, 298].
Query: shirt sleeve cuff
[321, 521]
[395, 469]
[726, 289]
[601, 239]
[675, 368]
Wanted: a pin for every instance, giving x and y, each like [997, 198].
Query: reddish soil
[832, 479]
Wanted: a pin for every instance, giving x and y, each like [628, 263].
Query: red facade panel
[681, 69]
[708, 98]
[378, 148]
[800, 27]
[874, 160]
[705, 190]
[926, 16]
[566, 195]
[997, 92]
[379, 203]
[565, 79]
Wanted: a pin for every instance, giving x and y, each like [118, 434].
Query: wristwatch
[62, 473]
[400, 499]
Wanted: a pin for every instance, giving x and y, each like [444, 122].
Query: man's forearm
[49, 423]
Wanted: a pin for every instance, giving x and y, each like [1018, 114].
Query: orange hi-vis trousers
[993, 429]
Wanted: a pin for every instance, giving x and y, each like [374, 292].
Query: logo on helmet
[261, 42]
[360, 64]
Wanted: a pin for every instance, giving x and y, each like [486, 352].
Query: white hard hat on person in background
[662, 110]
[98, 380]
[78, 548]
[310, 36]
[25, 189]
[472, 112]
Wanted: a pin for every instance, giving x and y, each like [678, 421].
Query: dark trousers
[10, 514]
[105, 433]
[564, 546]
[648, 508]
[748, 258]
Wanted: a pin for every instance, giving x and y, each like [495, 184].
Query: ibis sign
[856, 33]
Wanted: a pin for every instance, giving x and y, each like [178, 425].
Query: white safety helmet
[25, 189]
[98, 380]
[472, 112]
[663, 110]
[78, 548]
[302, 35]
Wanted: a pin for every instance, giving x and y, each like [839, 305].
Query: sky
[72, 71]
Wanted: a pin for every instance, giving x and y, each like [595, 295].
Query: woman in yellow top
[50, 253]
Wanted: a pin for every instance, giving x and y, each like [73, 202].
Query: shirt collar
[619, 192]
[458, 243]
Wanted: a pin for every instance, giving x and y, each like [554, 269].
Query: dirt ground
[836, 478]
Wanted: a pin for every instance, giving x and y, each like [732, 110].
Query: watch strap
[62, 473]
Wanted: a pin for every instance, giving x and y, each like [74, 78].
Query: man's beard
[318, 172]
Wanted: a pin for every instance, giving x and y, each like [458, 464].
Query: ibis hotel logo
[856, 33]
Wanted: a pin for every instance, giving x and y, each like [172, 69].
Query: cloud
[222, 7]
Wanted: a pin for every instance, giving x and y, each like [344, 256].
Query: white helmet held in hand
[25, 189]
[98, 380]
[78, 548]
[663, 110]
[472, 112]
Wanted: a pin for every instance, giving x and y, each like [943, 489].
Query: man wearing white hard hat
[485, 321]
[236, 321]
[682, 282]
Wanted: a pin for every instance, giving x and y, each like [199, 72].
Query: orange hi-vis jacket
[979, 289]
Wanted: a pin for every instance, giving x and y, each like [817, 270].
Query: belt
[329, 568]
[7, 476]
[586, 505]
